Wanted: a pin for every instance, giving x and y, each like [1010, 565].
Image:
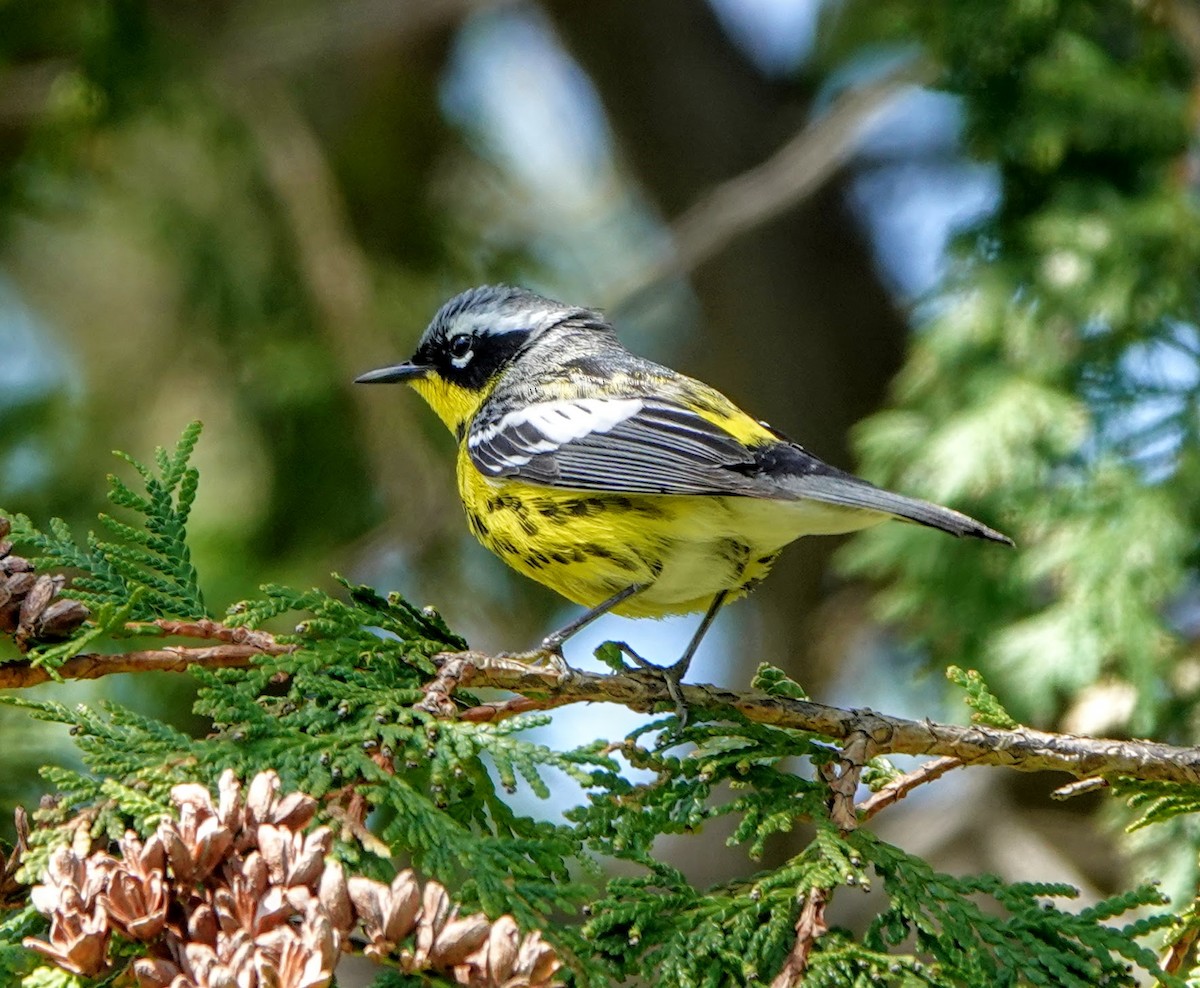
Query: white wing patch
[519, 436]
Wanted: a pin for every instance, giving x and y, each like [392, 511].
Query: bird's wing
[636, 445]
[651, 445]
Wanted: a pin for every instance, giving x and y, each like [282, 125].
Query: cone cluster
[234, 894]
[31, 609]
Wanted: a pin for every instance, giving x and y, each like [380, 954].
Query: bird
[624, 485]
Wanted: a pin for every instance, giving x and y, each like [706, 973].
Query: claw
[551, 658]
[672, 677]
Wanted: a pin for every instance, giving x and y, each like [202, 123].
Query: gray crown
[493, 310]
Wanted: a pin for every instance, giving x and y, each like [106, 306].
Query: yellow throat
[454, 405]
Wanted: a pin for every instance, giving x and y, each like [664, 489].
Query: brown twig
[900, 787]
[1079, 787]
[809, 928]
[20, 675]
[1177, 951]
[489, 713]
[205, 628]
[457, 669]
[453, 671]
[843, 777]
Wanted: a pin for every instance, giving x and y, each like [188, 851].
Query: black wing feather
[662, 449]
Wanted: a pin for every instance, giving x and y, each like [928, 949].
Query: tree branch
[793, 173]
[209, 629]
[977, 744]
[879, 734]
[842, 778]
[21, 675]
[900, 787]
[809, 928]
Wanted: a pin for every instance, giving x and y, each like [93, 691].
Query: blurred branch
[288, 44]
[335, 269]
[792, 174]
[335, 30]
[1184, 18]
[25, 88]
[337, 273]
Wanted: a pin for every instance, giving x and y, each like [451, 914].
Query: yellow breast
[588, 545]
[684, 549]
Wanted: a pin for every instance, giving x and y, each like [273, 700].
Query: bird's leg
[680, 668]
[550, 650]
[673, 674]
[554, 642]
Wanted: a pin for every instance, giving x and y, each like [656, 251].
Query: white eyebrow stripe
[491, 323]
[558, 423]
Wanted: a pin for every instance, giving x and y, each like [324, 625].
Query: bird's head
[469, 343]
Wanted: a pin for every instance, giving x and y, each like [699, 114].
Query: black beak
[407, 371]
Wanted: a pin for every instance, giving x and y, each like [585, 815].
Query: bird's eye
[460, 345]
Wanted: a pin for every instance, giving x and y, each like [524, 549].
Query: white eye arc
[460, 350]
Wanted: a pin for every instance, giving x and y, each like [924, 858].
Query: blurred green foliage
[226, 211]
[1053, 381]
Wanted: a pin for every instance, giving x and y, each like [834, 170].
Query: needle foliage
[336, 718]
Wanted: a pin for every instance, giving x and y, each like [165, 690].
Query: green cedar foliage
[1054, 378]
[336, 717]
[983, 702]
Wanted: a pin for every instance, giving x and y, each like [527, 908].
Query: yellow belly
[589, 545]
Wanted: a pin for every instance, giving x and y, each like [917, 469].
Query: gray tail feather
[851, 492]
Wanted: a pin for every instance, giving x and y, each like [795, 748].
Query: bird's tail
[850, 492]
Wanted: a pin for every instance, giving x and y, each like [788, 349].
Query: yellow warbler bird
[618, 482]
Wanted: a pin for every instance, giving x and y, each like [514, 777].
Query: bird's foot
[548, 655]
[672, 677]
[625, 649]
